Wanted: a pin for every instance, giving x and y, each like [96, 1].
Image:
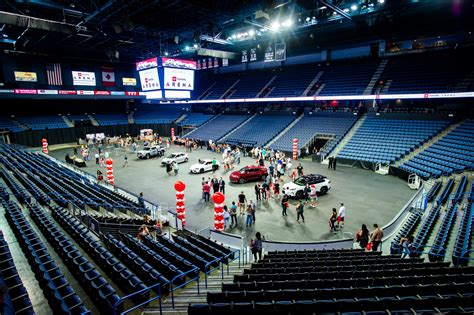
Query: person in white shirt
[341, 215]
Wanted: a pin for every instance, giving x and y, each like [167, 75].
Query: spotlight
[275, 26]
[166, 53]
[346, 10]
[353, 7]
[288, 23]
[381, 1]
[195, 46]
[186, 48]
[308, 19]
[251, 32]
[234, 36]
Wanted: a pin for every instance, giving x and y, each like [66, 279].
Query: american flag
[53, 70]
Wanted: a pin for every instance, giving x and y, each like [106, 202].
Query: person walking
[233, 214]
[362, 236]
[333, 220]
[125, 163]
[299, 211]
[313, 196]
[248, 222]
[334, 162]
[222, 185]
[253, 207]
[226, 217]
[175, 168]
[284, 205]
[256, 246]
[376, 237]
[97, 157]
[168, 168]
[215, 184]
[407, 245]
[340, 216]
[242, 202]
[206, 189]
[299, 168]
[214, 165]
[258, 196]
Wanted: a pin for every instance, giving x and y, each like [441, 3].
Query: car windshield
[171, 156]
[243, 170]
[146, 149]
[301, 181]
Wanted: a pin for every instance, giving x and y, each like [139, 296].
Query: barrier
[183, 275]
[147, 289]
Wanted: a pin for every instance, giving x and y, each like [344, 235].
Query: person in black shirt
[242, 202]
[299, 168]
[334, 162]
[215, 184]
[257, 192]
[330, 159]
[222, 185]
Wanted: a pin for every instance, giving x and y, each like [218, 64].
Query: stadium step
[319, 90]
[189, 294]
[294, 122]
[206, 123]
[428, 143]
[385, 87]
[346, 139]
[93, 120]
[206, 92]
[180, 118]
[259, 94]
[312, 83]
[226, 136]
[68, 122]
[375, 77]
[131, 119]
[229, 89]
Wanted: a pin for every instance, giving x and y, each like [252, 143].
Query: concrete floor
[369, 197]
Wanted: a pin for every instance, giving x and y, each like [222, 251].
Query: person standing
[284, 205]
[222, 185]
[300, 169]
[206, 189]
[330, 159]
[254, 208]
[233, 214]
[125, 163]
[334, 162]
[175, 168]
[407, 245]
[248, 222]
[299, 211]
[314, 196]
[168, 168]
[256, 246]
[271, 170]
[333, 220]
[141, 202]
[215, 184]
[306, 192]
[362, 236]
[226, 217]
[97, 157]
[340, 216]
[242, 202]
[258, 196]
[376, 237]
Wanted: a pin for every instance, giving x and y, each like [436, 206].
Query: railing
[208, 265]
[183, 275]
[147, 289]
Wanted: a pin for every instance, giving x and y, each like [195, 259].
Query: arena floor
[369, 198]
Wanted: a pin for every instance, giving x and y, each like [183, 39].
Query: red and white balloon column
[180, 186]
[172, 134]
[45, 145]
[218, 199]
[295, 149]
[109, 167]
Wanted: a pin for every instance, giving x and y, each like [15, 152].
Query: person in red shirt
[206, 189]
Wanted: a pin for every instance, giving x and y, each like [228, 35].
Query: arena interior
[230, 157]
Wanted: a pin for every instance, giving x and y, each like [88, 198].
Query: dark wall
[32, 138]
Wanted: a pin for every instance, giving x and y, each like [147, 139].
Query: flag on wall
[53, 71]
[108, 76]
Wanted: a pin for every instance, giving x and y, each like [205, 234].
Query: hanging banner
[83, 78]
[178, 63]
[280, 52]
[146, 64]
[198, 65]
[225, 62]
[253, 54]
[25, 76]
[216, 62]
[244, 56]
[149, 79]
[269, 54]
[204, 64]
[129, 81]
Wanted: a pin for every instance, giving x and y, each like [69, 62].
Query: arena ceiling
[127, 30]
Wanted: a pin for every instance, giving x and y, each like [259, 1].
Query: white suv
[178, 157]
[148, 152]
[296, 188]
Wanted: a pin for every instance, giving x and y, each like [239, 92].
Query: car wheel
[148, 156]
[299, 194]
[186, 159]
[241, 181]
[324, 190]
[201, 170]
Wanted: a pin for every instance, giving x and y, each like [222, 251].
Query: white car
[178, 157]
[148, 152]
[296, 188]
[202, 166]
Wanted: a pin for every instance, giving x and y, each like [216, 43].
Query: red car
[248, 173]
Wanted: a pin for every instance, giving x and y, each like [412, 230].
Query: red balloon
[179, 185]
[218, 197]
[179, 195]
[109, 162]
[179, 203]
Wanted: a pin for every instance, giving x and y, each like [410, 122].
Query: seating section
[61, 296]
[259, 130]
[434, 190]
[453, 153]
[16, 299]
[342, 281]
[9, 124]
[318, 124]
[97, 287]
[111, 119]
[195, 119]
[220, 126]
[347, 78]
[43, 122]
[462, 245]
[250, 84]
[387, 140]
[223, 83]
[407, 229]
[156, 115]
[293, 81]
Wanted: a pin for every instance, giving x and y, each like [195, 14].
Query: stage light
[346, 10]
[308, 19]
[234, 36]
[275, 26]
[287, 23]
[354, 7]
[195, 46]
[166, 53]
[251, 32]
[186, 48]
[381, 1]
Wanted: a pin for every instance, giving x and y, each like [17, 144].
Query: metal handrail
[196, 270]
[229, 261]
[147, 289]
[206, 272]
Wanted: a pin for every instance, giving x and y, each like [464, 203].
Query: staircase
[259, 94]
[428, 143]
[131, 120]
[321, 87]
[465, 83]
[207, 122]
[93, 120]
[346, 139]
[189, 294]
[180, 118]
[206, 92]
[68, 122]
[294, 122]
[229, 89]
[386, 86]
[226, 136]
[375, 77]
[312, 83]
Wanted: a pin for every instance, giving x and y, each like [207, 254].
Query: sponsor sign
[132, 93]
[101, 92]
[25, 76]
[178, 79]
[154, 95]
[178, 63]
[67, 92]
[83, 78]
[225, 62]
[26, 91]
[117, 93]
[147, 64]
[48, 92]
[7, 91]
[129, 81]
[84, 92]
[177, 94]
[149, 79]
